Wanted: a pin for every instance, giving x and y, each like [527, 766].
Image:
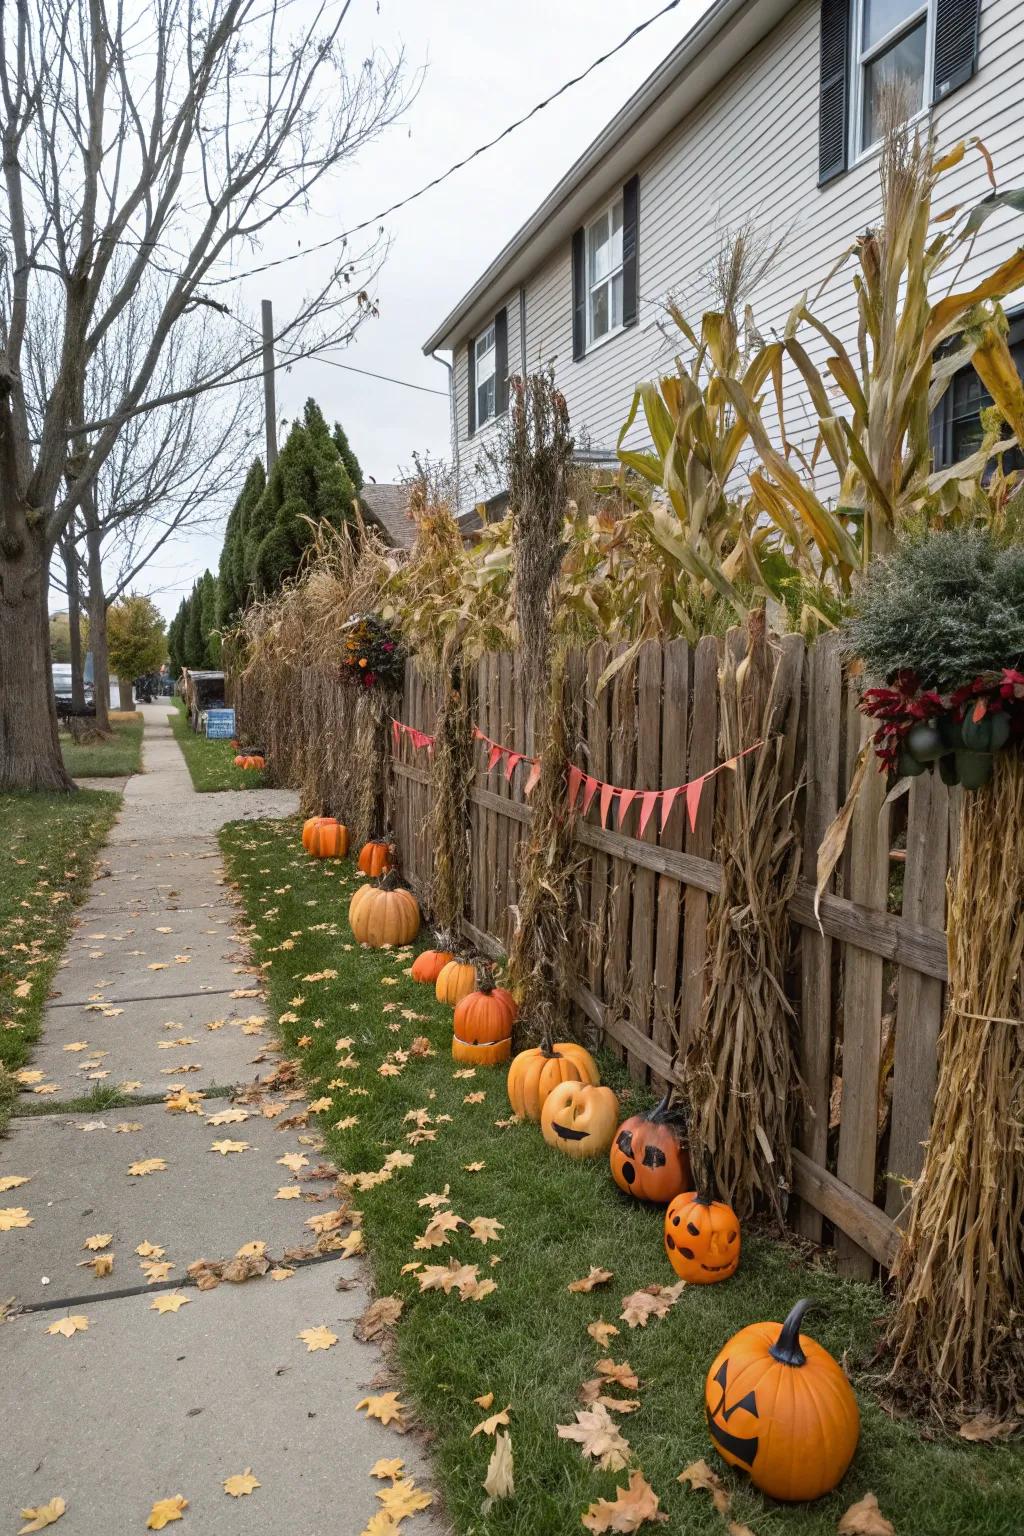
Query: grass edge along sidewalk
[113, 757]
[49, 845]
[527, 1342]
[210, 763]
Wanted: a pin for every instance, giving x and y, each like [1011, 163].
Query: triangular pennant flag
[492, 758]
[514, 758]
[693, 791]
[576, 778]
[593, 785]
[478, 734]
[626, 798]
[647, 805]
[608, 792]
[668, 800]
[534, 776]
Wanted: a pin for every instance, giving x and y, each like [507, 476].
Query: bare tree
[145, 148]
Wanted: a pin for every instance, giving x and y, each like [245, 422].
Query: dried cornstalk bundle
[741, 1069]
[545, 940]
[959, 1322]
[371, 789]
[447, 828]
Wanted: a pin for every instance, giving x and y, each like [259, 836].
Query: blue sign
[220, 724]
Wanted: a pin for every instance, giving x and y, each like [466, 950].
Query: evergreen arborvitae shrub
[348, 458]
[193, 641]
[232, 591]
[946, 606]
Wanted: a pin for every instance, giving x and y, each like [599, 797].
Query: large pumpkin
[650, 1157]
[328, 838]
[429, 965]
[375, 858]
[307, 830]
[250, 760]
[384, 914]
[702, 1235]
[483, 1025]
[455, 981]
[781, 1409]
[579, 1119]
[536, 1071]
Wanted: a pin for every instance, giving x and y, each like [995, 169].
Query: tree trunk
[125, 697]
[74, 621]
[29, 750]
[97, 616]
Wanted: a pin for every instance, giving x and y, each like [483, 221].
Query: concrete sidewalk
[143, 1405]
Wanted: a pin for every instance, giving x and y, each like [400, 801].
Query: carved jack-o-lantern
[649, 1157]
[781, 1409]
[702, 1235]
[579, 1119]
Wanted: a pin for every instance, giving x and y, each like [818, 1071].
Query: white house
[766, 111]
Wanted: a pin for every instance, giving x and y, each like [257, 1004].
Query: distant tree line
[316, 479]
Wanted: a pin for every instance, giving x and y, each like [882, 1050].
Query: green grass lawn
[48, 845]
[211, 763]
[116, 757]
[527, 1342]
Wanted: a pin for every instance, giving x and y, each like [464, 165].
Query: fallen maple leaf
[169, 1301]
[602, 1332]
[101, 1265]
[352, 1244]
[98, 1240]
[599, 1436]
[865, 1519]
[492, 1425]
[433, 1201]
[387, 1466]
[227, 1117]
[984, 1427]
[241, 1483]
[485, 1229]
[384, 1407]
[592, 1281]
[380, 1524]
[42, 1516]
[147, 1250]
[13, 1181]
[166, 1510]
[699, 1475]
[294, 1161]
[281, 1272]
[318, 1105]
[652, 1301]
[147, 1165]
[485, 1401]
[380, 1314]
[67, 1326]
[288, 1192]
[403, 1499]
[498, 1482]
[320, 1337]
[475, 1098]
[124, 1126]
[627, 1511]
[438, 1229]
[12, 1216]
[473, 1167]
[347, 1123]
[226, 1146]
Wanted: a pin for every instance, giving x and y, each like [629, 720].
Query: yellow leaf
[241, 1483]
[352, 1244]
[42, 1516]
[77, 1045]
[602, 1332]
[225, 1146]
[387, 1466]
[227, 1117]
[381, 1524]
[12, 1216]
[289, 1192]
[384, 1407]
[403, 1499]
[147, 1250]
[865, 1519]
[485, 1229]
[293, 1161]
[318, 1338]
[627, 1511]
[166, 1510]
[485, 1401]
[492, 1425]
[147, 1165]
[282, 1272]
[699, 1475]
[98, 1240]
[590, 1282]
[67, 1326]
[169, 1301]
[101, 1265]
[498, 1483]
[155, 1270]
[13, 1181]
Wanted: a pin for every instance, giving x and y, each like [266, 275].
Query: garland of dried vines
[447, 827]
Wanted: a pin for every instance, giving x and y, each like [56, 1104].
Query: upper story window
[604, 273]
[893, 43]
[486, 373]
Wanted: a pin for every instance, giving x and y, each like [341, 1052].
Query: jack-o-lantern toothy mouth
[566, 1132]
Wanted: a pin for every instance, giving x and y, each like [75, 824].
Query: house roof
[723, 35]
[388, 507]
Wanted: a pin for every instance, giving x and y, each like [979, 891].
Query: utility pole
[269, 404]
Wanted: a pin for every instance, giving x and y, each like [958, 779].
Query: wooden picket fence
[867, 987]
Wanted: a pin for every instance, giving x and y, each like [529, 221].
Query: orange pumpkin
[579, 1119]
[482, 1026]
[429, 965]
[328, 838]
[308, 828]
[535, 1072]
[650, 1157]
[781, 1409]
[702, 1234]
[375, 857]
[384, 914]
[250, 760]
[456, 981]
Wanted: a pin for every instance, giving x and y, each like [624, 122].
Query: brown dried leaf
[865, 1519]
[592, 1281]
[627, 1511]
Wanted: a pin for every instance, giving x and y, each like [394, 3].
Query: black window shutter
[956, 45]
[471, 386]
[501, 362]
[579, 294]
[630, 248]
[833, 89]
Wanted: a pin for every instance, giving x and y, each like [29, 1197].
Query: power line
[321, 357]
[436, 181]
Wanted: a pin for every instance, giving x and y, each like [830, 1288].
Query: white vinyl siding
[476, 477]
[750, 150]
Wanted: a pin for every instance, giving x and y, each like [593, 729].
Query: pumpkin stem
[709, 1193]
[786, 1348]
[663, 1109]
[389, 881]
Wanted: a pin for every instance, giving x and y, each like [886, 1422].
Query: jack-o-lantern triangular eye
[654, 1157]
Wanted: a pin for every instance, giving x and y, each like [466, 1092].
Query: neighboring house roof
[388, 507]
[720, 39]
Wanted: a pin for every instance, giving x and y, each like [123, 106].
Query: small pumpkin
[455, 981]
[649, 1157]
[250, 760]
[308, 828]
[328, 838]
[430, 963]
[535, 1072]
[780, 1408]
[375, 857]
[702, 1234]
[482, 1026]
[579, 1119]
[384, 914]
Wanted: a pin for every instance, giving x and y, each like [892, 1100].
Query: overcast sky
[485, 63]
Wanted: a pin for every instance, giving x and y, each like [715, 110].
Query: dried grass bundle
[741, 1069]
[448, 828]
[959, 1323]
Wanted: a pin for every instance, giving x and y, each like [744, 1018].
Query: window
[486, 374]
[956, 428]
[892, 47]
[604, 273]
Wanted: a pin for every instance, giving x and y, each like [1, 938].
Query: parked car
[62, 687]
